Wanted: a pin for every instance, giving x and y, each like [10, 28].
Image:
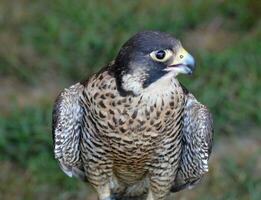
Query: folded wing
[197, 144]
[67, 131]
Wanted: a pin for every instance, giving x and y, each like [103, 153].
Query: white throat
[162, 86]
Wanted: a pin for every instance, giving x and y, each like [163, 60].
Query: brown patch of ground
[210, 37]
[13, 92]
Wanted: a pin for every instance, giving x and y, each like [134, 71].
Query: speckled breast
[131, 129]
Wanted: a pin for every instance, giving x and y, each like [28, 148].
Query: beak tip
[192, 67]
[191, 64]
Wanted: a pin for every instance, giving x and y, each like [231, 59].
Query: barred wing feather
[67, 130]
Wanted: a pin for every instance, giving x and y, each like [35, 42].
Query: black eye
[160, 54]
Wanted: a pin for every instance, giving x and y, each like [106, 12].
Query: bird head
[149, 57]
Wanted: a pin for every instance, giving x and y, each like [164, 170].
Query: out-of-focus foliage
[48, 45]
[77, 37]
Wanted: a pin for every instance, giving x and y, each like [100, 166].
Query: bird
[132, 130]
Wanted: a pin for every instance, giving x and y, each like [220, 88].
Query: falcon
[132, 130]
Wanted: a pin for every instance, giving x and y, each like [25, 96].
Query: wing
[67, 122]
[197, 144]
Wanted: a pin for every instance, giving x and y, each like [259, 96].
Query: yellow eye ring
[161, 55]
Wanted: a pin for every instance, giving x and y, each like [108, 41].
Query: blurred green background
[50, 44]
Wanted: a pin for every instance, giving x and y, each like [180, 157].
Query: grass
[61, 42]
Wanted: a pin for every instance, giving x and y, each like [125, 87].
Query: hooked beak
[182, 63]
